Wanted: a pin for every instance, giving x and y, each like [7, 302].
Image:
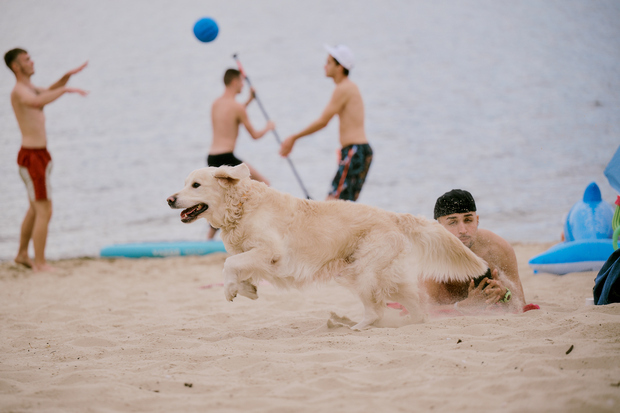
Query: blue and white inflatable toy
[590, 218]
[588, 238]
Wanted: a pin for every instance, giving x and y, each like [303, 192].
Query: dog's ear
[231, 175]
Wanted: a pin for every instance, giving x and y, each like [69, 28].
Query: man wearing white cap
[347, 103]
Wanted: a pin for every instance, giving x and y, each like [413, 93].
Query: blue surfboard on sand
[162, 249]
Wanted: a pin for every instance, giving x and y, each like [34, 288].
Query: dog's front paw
[247, 289]
[230, 290]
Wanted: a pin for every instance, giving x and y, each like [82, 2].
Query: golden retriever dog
[380, 256]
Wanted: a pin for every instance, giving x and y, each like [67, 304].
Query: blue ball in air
[206, 29]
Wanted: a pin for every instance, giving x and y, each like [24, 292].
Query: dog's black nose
[172, 200]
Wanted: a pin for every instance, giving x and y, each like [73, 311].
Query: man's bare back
[226, 116]
[225, 120]
[349, 107]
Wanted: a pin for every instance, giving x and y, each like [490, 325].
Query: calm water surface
[518, 102]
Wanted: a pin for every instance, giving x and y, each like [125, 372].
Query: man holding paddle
[347, 103]
[226, 116]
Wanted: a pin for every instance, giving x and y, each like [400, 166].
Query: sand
[148, 335]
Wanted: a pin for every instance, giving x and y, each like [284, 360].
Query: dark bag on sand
[607, 283]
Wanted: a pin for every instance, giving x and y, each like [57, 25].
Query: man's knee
[43, 208]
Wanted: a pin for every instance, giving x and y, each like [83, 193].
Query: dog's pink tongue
[187, 211]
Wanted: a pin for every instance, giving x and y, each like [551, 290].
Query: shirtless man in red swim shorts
[33, 159]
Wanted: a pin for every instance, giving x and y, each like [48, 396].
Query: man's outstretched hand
[77, 69]
[287, 146]
[76, 90]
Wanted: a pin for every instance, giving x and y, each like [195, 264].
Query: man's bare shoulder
[20, 89]
[346, 87]
[492, 242]
[226, 110]
[344, 92]
[219, 102]
[226, 103]
[21, 93]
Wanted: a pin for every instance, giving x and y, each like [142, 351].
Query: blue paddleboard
[162, 249]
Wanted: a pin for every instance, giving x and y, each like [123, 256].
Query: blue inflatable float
[588, 238]
[612, 171]
[162, 249]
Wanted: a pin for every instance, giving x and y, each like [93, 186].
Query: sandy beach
[517, 102]
[121, 335]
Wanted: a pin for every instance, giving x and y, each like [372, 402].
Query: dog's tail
[441, 256]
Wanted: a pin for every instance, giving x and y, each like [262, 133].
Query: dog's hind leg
[408, 297]
[374, 272]
[373, 312]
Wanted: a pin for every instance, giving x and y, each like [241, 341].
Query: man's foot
[23, 260]
[43, 268]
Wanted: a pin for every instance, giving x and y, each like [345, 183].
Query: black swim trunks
[223, 159]
[353, 166]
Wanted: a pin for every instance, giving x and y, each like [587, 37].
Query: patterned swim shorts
[352, 169]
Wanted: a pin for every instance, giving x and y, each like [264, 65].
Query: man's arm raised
[251, 97]
[243, 118]
[63, 80]
[333, 107]
[29, 98]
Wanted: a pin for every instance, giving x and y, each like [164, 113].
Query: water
[518, 102]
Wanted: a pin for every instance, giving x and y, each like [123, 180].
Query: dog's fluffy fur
[379, 255]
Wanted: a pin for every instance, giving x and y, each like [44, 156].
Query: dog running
[379, 255]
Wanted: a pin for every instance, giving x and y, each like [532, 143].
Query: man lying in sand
[35, 162]
[456, 211]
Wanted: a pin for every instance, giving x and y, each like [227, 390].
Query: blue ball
[206, 29]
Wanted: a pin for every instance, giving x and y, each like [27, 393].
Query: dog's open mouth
[190, 214]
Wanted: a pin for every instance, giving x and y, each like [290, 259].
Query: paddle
[260, 105]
